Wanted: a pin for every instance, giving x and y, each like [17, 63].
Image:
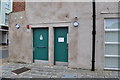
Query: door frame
[50, 27]
[39, 61]
[109, 43]
[62, 63]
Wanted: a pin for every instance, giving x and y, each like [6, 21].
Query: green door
[60, 45]
[40, 44]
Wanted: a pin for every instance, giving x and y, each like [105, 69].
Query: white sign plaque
[41, 37]
[60, 39]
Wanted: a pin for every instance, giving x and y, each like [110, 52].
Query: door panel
[60, 44]
[40, 44]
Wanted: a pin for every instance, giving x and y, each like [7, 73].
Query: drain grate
[21, 70]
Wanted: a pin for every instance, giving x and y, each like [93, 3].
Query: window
[112, 44]
[6, 19]
[7, 4]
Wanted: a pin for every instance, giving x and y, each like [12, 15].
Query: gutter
[93, 35]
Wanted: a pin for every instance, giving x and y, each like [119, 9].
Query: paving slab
[45, 71]
[68, 75]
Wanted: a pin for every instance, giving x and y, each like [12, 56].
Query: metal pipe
[93, 35]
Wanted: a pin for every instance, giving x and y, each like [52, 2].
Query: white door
[112, 44]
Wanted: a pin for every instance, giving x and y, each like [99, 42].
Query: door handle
[41, 47]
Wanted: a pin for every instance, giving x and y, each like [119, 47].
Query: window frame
[110, 43]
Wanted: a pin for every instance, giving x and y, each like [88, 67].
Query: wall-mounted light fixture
[76, 23]
[17, 26]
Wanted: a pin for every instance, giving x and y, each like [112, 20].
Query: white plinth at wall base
[46, 62]
[61, 63]
[112, 69]
[40, 62]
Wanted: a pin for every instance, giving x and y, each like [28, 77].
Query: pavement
[45, 71]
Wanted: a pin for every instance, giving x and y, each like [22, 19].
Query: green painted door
[60, 45]
[40, 44]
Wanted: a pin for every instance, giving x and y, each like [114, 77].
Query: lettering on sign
[61, 39]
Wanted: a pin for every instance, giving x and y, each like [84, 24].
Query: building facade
[60, 33]
[5, 9]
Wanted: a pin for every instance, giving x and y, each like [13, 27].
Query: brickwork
[19, 6]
